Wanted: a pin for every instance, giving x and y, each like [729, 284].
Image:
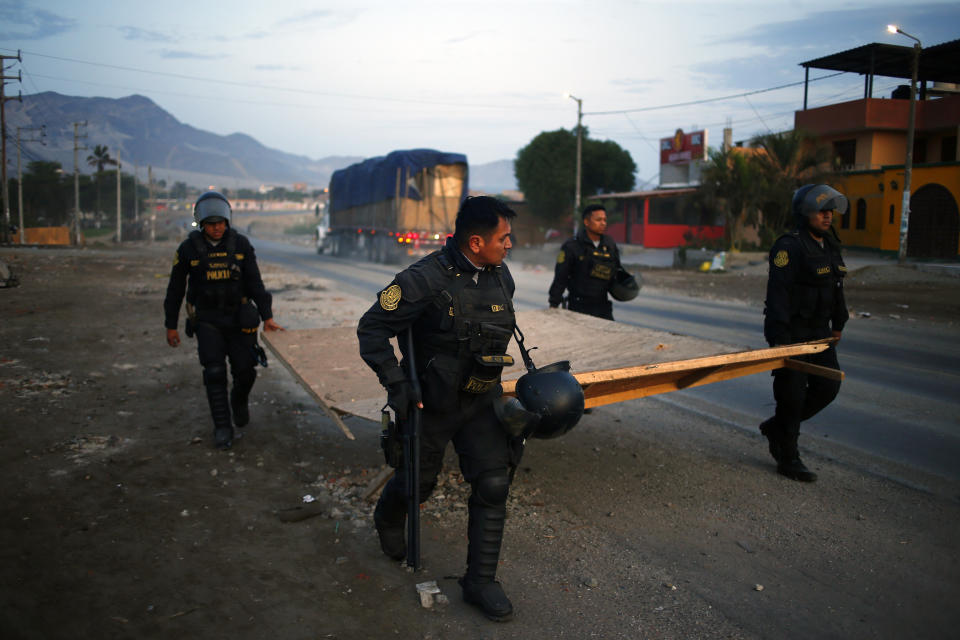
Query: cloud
[780, 47]
[834, 31]
[318, 18]
[465, 37]
[22, 23]
[277, 67]
[635, 85]
[308, 16]
[136, 33]
[173, 54]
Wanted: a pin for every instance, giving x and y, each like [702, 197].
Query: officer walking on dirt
[217, 269]
[588, 266]
[804, 302]
[458, 302]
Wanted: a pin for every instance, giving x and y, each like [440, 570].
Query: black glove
[401, 398]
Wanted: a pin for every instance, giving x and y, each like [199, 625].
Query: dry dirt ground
[121, 521]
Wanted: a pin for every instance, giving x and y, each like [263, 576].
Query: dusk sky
[481, 78]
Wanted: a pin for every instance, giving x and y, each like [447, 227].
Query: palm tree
[730, 184]
[99, 159]
[785, 161]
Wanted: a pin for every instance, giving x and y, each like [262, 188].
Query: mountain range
[145, 135]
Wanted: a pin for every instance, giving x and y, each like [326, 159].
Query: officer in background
[226, 299]
[804, 302]
[587, 266]
[458, 302]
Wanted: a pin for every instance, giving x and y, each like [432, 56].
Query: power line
[249, 85]
[707, 100]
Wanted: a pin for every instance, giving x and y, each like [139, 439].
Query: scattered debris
[427, 592]
[758, 587]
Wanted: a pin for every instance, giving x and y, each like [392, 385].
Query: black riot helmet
[624, 286]
[212, 204]
[811, 198]
[554, 394]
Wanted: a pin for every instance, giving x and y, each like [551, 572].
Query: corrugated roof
[939, 63]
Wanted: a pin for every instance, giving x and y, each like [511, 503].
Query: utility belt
[487, 345]
[244, 315]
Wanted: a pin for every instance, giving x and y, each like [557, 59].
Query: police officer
[458, 302]
[586, 267]
[226, 299]
[804, 302]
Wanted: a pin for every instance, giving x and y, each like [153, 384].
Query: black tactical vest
[595, 268]
[818, 276]
[215, 274]
[463, 347]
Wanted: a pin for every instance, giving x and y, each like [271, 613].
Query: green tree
[785, 161]
[730, 184]
[100, 158]
[47, 197]
[546, 171]
[179, 190]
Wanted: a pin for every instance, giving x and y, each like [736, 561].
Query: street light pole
[576, 193]
[908, 163]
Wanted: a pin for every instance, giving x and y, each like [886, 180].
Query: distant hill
[145, 134]
[493, 177]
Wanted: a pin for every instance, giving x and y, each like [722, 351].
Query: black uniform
[805, 301]
[222, 282]
[458, 314]
[586, 271]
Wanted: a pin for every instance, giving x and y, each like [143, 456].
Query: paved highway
[899, 401]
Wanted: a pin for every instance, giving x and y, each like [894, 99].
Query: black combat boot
[768, 428]
[390, 518]
[789, 464]
[220, 409]
[239, 395]
[485, 531]
[794, 469]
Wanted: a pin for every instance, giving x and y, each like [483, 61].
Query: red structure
[660, 219]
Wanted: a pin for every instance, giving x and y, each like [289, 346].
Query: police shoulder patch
[176, 257]
[561, 256]
[390, 297]
[782, 258]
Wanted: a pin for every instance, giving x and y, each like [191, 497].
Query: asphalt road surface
[899, 400]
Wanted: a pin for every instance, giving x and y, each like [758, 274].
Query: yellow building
[869, 139]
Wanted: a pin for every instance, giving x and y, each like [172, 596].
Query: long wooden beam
[617, 385]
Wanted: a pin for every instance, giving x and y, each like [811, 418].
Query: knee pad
[215, 375]
[491, 488]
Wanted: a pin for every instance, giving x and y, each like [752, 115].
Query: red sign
[682, 147]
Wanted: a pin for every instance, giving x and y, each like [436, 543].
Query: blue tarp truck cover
[375, 179]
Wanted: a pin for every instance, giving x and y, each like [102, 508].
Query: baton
[411, 445]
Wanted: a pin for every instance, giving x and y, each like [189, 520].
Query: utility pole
[43, 134]
[76, 177]
[136, 187]
[119, 221]
[908, 162]
[3, 132]
[576, 193]
[153, 205]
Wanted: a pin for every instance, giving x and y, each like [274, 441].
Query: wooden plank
[629, 383]
[327, 363]
[305, 353]
[815, 369]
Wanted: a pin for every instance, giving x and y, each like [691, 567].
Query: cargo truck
[393, 207]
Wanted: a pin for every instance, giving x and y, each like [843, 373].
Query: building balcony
[879, 114]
